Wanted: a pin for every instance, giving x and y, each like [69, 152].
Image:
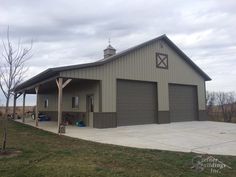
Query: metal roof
[55, 71]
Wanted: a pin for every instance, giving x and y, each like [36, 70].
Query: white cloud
[70, 32]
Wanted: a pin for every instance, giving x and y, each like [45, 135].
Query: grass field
[51, 155]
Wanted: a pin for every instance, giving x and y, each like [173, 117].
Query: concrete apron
[204, 137]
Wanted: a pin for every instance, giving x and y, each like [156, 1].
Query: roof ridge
[164, 37]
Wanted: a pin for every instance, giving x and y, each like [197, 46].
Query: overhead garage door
[136, 102]
[183, 103]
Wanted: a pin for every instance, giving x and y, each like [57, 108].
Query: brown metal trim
[202, 115]
[104, 120]
[164, 117]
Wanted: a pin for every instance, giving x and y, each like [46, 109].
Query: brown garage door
[136, 102]
[183, 103]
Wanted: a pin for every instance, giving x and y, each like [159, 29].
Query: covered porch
[64, 101]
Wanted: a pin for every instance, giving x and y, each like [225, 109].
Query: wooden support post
[36, 108]
[14, 105]
[66, 83]
[59, 108]
[16, 95]
[60, 86]
[23, 108]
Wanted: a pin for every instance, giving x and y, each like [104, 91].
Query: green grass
[51, 155]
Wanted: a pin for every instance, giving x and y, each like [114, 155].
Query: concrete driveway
[197, 136]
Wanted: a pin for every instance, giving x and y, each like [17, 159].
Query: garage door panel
[134, 107]
[138, 118]
[183, 103]
[136, 102]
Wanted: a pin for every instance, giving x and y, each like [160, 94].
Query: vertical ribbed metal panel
[141, 65]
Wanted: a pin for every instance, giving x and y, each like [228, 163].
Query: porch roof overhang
[48, 76]
[46, 84]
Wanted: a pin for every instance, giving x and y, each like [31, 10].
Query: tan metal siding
[68, 93]
[52, 102]
[141, 65]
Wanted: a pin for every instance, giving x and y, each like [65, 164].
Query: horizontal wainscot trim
[104, 120]
[202, 115]
[163, 117]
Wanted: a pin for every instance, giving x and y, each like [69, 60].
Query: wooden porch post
[14, 105]
[23, 108]
[59, 108]
[16, 95]
[36, 108]
[60, 86]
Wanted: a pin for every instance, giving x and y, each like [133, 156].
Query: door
[90, 109]
[136, 102]
[183, 103]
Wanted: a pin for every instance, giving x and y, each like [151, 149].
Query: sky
[76, 31]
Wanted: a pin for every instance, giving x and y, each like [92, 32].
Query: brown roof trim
[187, 59]
[54, 71]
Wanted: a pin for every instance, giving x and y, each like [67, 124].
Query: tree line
[221, 105]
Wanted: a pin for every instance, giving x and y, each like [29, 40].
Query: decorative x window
[162, 60]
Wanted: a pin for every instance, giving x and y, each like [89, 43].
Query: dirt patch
[10, 154]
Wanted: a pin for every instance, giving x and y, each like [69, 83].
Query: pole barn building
[154, 82]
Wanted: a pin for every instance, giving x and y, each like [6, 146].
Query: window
[162, 60]
[75, 102]
[46, 103]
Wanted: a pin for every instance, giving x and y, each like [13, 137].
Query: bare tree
[210, 101]
[231, 101]
[12, 72]
[226, 102]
